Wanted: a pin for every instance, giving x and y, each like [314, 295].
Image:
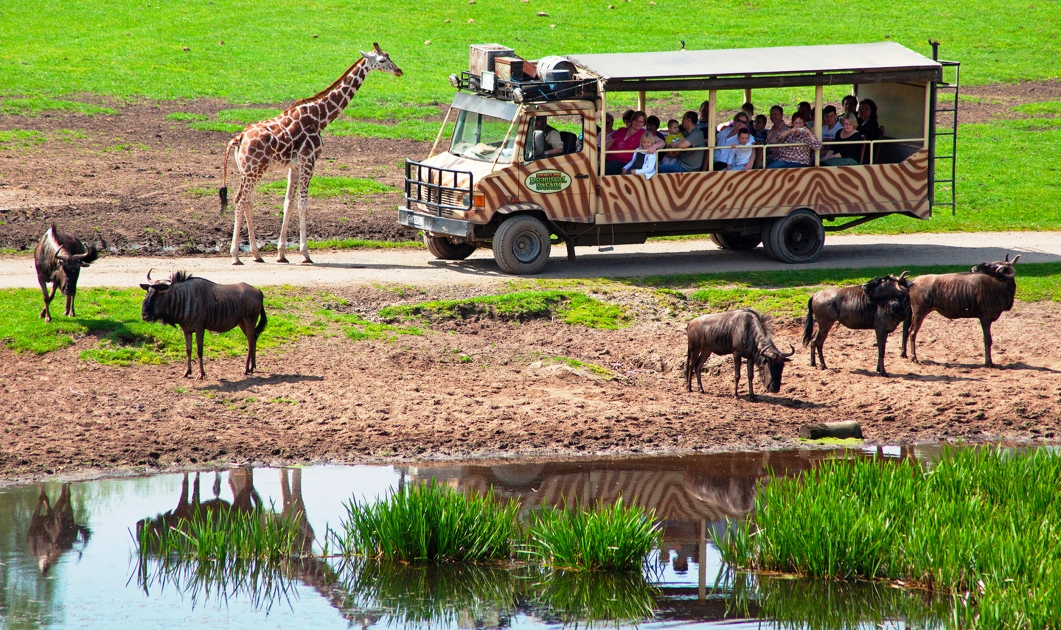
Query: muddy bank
[487, 388]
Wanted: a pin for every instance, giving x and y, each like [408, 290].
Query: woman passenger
[845, 154]
[802, 141]
[626, 140]
[867, 117]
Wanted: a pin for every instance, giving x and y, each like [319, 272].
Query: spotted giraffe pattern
[292, 140]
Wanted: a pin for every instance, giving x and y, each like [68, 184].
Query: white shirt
[829, 133]
[739, 158]
[724, 138]
[648, 169]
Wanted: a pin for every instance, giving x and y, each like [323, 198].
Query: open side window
[550, 136]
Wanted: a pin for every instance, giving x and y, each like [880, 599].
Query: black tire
[443, 248]
[768, 227]
[521, 245]
[736, 241]
[797, 238]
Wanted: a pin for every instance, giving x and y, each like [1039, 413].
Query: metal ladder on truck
[936, 184]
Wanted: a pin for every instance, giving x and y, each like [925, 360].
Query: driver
[554, 145]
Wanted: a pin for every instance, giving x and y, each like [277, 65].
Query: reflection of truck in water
[524, 166]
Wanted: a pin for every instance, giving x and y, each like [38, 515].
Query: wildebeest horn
[791, 351]
[62, 254]
[1015, 259]
[903, 275]
[149, 274]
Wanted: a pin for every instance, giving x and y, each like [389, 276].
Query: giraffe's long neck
[334, 100]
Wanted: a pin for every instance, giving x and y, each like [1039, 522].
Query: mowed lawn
[272, 52]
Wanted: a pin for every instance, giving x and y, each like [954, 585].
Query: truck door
[558, 173]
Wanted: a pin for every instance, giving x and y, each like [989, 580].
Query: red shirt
[623, 142]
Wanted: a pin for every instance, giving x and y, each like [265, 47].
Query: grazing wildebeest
[880, 305]
[742, 333]
[198, 305]
[59, 258]
[983, 293]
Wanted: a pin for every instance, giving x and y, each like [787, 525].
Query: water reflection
[61, 550]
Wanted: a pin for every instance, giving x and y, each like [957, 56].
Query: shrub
[612, 538]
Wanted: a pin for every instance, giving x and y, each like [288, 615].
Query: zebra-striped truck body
[198, 305]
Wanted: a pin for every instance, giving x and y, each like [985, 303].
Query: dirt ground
[488, 388]
[139, 183]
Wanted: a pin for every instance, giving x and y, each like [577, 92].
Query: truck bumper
[435, 224]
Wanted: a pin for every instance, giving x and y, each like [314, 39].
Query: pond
[68, 557]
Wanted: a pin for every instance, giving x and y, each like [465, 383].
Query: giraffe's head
[379, 60]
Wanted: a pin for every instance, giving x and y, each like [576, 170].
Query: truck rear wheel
[728, 240]
[443, 248]
[796, 238]
[521, 245]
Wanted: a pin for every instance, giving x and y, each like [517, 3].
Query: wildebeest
[983, 293]
[880, 305]
[742, 333]
[59, 258]
[198, 305]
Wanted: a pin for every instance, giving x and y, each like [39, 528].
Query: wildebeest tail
[262, 321]
[223, 192]
[808, 325]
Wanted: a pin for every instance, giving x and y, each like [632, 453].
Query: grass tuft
[20, 138]
[608, 538]
[322, 187]
[429, 523]
[570, 307]
[983, 525]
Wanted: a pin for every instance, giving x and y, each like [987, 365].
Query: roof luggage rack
[529, 90]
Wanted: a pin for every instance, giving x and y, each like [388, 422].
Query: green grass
[982, 524]
[222, 536]
[322, 187]
[593, 368]
[605, 538]
[217, 126]
[113, 316]
[428, 523]
[128, 50]
[420, 130]
[570, 307]
[246, 116]
[358, 328]
[34, 106]
[186, 117]
[20, 138]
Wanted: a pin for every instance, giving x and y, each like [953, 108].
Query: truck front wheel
[521, 245]
[443, 248]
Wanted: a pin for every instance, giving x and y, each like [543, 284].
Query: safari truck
[494, 182]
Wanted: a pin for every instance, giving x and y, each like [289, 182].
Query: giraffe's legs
[303, 202]
[243, 207]
[292, 188]
[234, 250]
[250, 233]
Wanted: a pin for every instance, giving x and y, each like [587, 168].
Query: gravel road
[416, 266]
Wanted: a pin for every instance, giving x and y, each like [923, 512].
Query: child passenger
[644, 162]
[740, 154]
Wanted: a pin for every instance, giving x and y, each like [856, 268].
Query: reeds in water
[984, 525]
[429, 523]
[612, 538]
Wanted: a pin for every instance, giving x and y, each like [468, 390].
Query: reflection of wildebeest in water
[245, 498]
[733, 494]
[53, 530]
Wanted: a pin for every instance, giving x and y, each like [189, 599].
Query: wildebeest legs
[188, 352]
[915, 325]
[198, 348]
[47, 300]
[882, 340]
[736, 377]
[985, 323]
[69, 311]
[819, 343]
[247, 326]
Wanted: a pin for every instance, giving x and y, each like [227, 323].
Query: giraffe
[292, 140]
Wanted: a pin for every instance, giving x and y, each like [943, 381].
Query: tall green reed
[612, 538]
[983, 525]
[429, 523]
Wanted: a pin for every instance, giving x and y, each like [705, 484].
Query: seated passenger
[727, 137]
[674, 132]
[741, 152]
[644, 162]
[867, 120]
[626, 140]
[850, 104]
[758, 129]
[802, 141]
[808, 114]
[845, 154]
[829, 123]
[554, 145]
[704, 115]
[777, 119]
[692, 137]
[652, 124]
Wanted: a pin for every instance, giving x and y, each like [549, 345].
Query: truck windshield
[479, 137]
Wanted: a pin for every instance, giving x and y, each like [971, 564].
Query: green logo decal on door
[548, 181]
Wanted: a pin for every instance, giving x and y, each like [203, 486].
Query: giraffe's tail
[223, 193]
